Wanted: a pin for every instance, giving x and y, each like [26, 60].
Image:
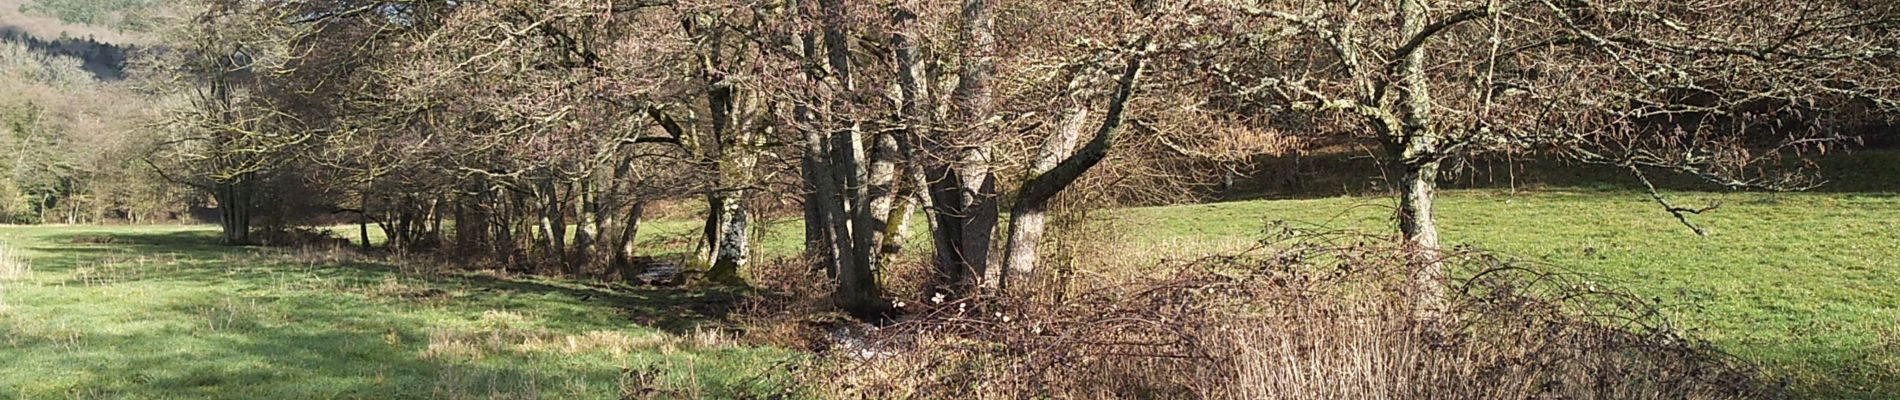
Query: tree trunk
[964, 189]
[435, 221]
[866, 174]
[730, 225]
[1027, 219]
[1032, 201]
[967, 214]
[734, 151]
[362, 229]
[553, 224]
[825, 204]
[851, 216]
[612, 214]
[818, 238]
[627, 242]
[899, 227]
[915, 118]
[1417, 153]
[586, 226]
[235, 223]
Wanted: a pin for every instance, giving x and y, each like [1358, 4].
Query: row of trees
[536, 132]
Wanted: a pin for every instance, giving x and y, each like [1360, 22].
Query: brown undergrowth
[1300, 317]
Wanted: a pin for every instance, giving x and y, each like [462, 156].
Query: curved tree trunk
[1056, 170]
[1027, 219]
[626, 241]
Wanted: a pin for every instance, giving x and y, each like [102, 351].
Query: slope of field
[159, 312]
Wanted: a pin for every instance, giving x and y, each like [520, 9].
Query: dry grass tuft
[1306, 318]
[12, 268]
[94, 239]
[392, 287]
[792, 305]
[505, 332]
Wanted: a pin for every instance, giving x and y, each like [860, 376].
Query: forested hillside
[76, 124]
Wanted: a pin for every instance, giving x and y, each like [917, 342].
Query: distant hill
[105, 61]
[40, 19]
[117, 15]
[101, 33]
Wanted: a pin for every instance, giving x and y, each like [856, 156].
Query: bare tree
[231, 133]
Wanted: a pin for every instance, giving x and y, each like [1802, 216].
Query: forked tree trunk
[825, 203]
[819, 242]
[872, 228]
[915, 117]
[967, 214]
[964, 188]
[616, 218]
[554, 224]
[848, 209]
[873, 164]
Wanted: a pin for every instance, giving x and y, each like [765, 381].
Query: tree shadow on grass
[69, 249]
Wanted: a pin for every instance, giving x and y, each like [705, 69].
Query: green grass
[162, 313]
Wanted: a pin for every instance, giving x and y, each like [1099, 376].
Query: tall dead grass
[1314, 317]
[11, 267]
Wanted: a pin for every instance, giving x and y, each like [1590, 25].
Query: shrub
[1309, 317]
